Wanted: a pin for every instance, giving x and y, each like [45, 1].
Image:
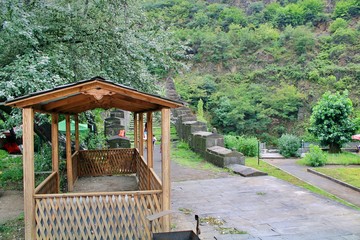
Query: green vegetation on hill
[259, 68]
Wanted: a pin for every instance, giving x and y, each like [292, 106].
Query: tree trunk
[334, 148]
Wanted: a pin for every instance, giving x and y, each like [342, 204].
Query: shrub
[315, 157]
[289, 145]
[338, 23]
[246, 145]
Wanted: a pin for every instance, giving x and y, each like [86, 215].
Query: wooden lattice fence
[96, 216]
[106, 162]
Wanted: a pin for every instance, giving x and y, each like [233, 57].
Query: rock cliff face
[209, 145]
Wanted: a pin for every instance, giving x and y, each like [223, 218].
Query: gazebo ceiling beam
[64, 102]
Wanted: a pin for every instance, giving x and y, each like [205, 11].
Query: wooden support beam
[29, 176]
[141, 134]
[165, 161]
[69, 170]
[55, 147]
[77, 143]
[136, 137]
[149, 121]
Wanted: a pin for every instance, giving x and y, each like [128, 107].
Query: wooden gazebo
[50, 214]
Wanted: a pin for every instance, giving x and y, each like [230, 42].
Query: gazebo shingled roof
[90, 94]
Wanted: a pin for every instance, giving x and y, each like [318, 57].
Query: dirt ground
[11, 205]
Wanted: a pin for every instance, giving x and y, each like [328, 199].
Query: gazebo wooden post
[55, 147]
[150, 160]
[141, 134]
[165, 161]
[77, 144]
[29, 176]
[69, 170]
[136, 137]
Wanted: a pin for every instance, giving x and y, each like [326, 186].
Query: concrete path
[264, 207]
[290, 166]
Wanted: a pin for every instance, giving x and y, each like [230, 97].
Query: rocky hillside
[260, 66]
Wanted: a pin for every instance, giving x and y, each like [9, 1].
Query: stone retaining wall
[209, 145]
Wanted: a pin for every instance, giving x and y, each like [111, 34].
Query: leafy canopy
[331, 120]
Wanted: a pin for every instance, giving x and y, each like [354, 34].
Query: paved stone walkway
[290, 166]
[265, 208]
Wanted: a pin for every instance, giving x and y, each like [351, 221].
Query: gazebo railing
[106, 162]
[104, 215]
[117, 215]
[49, 185]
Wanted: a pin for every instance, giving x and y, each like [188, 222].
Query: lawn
[344, 158]
[348, 175]
[275, 172]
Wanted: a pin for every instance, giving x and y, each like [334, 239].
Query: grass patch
[275, 172]
[345, 158]
[186, 211]
[13, 229]
[182, 154]
[218, 224]
[348, 175]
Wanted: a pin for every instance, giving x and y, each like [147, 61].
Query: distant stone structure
[113, 125]
[209, 145]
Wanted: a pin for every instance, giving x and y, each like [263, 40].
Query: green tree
[331, 120]
[47, 43]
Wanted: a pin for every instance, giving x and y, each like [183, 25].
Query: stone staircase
[209, 145]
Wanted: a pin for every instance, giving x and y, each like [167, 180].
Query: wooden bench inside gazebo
[50, 214]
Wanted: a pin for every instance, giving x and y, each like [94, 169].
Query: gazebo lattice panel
[100, 216]
[106, 162]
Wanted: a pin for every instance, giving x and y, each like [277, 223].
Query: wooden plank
[68, 156]
[55, 146]
[150, 160]
[65, 102]
[77, 143]
[28, 168]
[141, 134]
[94, 194]
[165, 157]
[159, 215]
[136, 137]
[52, 95]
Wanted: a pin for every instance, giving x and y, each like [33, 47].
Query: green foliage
[301, 39]
[246, 145]
[200, 110]
[315, 157]
[46, 44]
[345, 35]
[95, 141]
[289, 145]
[331, 120]
[347, 9]
[338, 23]
[11, 173]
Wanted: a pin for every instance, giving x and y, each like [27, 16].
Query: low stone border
[333, 179]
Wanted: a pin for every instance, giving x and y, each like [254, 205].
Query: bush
[338, 23]
[247, 146]
[315, 157]
[289, 145]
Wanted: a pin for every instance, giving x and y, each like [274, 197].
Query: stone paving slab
[264, 207]
[245, 171]
[290, 166]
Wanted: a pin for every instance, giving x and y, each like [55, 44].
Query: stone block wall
[209, 145]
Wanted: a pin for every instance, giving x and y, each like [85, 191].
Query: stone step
[245, 171]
